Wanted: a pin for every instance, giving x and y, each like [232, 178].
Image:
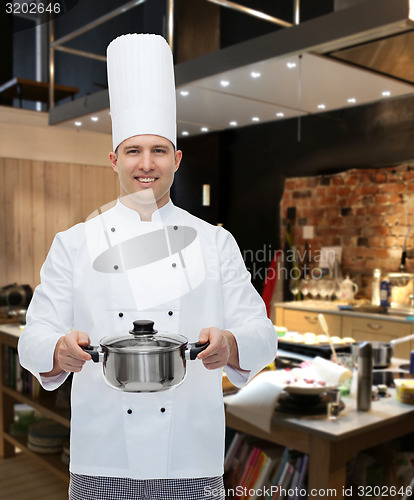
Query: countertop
[351, 422]
[12, 329]
[324, 306]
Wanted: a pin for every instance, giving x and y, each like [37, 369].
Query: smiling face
[146, 165]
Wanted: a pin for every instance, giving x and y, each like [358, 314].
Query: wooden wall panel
[39, 239]
[24, 222]
[75, 189]
[10, 272]
[2, 219]
[39, 199]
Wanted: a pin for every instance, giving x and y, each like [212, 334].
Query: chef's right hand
[68, 355]
[68, 352]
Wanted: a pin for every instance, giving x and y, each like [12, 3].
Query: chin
[144, 197]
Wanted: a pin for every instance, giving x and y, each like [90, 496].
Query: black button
[113, 229]
[175, 228]
[170, 313]
[174, 264]
[116, 268]
[162, 410]
[129, 411]
[120, 314]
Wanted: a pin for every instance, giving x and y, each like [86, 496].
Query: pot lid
[143, 338]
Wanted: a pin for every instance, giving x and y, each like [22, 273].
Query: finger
[204, 335]
[73, 340]
[70, 364]
[216, 364]
[213, 336]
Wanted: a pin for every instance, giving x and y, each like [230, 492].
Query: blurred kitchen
[296, 119]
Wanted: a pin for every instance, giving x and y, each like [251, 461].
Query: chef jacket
[196, 283]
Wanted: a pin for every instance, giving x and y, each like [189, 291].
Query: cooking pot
[144, 360]
[382, 352]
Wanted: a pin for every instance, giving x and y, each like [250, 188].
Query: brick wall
[367, 212]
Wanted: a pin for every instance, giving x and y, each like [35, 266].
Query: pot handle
[195, 349]
[94, 351]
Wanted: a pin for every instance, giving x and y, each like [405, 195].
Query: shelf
[44, 406]
[50, 461]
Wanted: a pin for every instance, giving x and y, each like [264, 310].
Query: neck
[144, 207]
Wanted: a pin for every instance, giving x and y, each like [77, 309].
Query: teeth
[146, 179]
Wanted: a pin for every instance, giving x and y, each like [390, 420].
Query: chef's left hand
[222, 349]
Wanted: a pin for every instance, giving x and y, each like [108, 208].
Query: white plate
[300, 389]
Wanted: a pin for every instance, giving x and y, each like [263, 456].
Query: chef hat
[141, 87]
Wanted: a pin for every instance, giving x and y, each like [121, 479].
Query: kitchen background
[366, 212]
[348, 171]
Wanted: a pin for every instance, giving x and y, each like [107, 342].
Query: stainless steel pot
[382, 352]
[144, 360]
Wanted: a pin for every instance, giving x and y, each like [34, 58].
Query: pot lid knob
[143, 327]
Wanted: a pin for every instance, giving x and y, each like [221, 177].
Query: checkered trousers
[114, 488]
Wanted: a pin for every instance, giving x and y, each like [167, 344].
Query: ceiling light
[185, 132]
[386, 93]
[204, 129]
[321, 106]
[184, 93]
[224, 83]
[291, 65]
[233, 124]
[94, 118]
[78, 124]
[255, 74]
[255, 119]
[351, 100]
[280, 114]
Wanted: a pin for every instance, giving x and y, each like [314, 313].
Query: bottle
[375, 295]
[365, 366]
[385, 293]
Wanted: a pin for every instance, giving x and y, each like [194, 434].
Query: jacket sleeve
[245, 314]
[49, 316]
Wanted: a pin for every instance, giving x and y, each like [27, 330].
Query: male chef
[99, 277]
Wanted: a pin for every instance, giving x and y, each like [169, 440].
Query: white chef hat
[141, 87]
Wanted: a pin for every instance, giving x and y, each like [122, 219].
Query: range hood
[350, 57]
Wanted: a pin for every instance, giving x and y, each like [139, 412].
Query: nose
[146, 163]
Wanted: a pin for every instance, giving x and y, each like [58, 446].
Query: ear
[177, 159]
[114, 159]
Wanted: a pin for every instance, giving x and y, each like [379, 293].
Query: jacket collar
[159, 215]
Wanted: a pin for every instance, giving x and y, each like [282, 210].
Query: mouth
[146, 180]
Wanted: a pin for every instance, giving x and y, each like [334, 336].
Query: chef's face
[146, 165]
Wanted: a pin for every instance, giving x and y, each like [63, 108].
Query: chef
[102, 275]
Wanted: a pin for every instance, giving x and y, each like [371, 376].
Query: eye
[132, 151]
[160, 151]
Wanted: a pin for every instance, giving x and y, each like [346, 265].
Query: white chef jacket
[176, 433]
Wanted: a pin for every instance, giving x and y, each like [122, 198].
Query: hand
[222, 349]
[68, 356]
[68, 352]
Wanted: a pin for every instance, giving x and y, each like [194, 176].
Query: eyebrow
[136, 146]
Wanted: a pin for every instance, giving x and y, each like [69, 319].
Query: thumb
[204, 335]
[83, 339]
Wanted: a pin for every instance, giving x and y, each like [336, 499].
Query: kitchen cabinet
[375, 329]
[307, 321]
[45, 404]
[302, 316]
